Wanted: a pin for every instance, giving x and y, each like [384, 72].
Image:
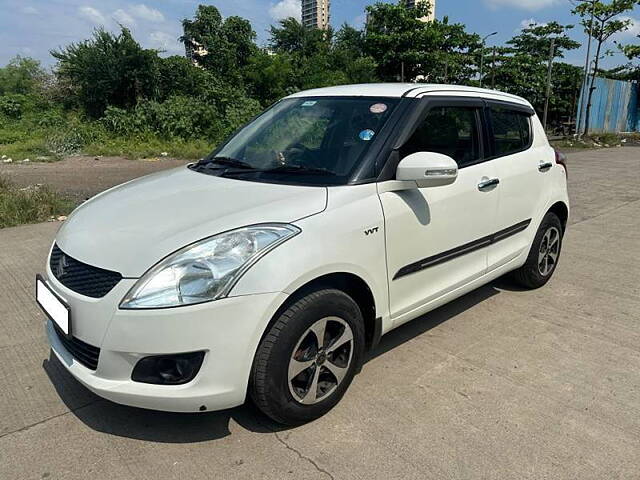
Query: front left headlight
[205, 270]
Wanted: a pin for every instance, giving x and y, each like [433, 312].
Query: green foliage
[219, 45]
[22, 76]
[143, 146]
[180, 117]
[521, 68]
[108, 69]
[435, 51]
[29, 205]
[12, 105]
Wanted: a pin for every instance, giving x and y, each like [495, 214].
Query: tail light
[561, 159]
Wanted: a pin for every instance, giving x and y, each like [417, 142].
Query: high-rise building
[432, 3]
[316, 13]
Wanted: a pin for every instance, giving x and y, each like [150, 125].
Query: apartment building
[432, 14]
[316, 13]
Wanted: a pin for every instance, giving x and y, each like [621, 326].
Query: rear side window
[511, 131]
[452, 131]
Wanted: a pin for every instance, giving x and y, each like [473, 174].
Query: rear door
[520, 161]
[437, 237]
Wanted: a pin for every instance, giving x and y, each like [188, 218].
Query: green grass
[149, 147]
[35, 149]
[29, 205]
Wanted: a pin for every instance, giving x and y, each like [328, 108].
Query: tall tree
[601, 20]
[521, 68]
[222, 46]
[405, 45]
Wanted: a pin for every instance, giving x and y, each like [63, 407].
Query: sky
[34, 27]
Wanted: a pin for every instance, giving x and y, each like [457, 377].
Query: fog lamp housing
[168, 369]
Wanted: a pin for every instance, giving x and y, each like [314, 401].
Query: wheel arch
[351, 284]
[562, 211]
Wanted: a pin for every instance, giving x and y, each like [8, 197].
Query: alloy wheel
[549, 251]
[320, 360]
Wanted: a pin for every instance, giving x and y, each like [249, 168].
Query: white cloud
[628, 37]
[634, 28]
[531, 22]
[143, 12]
[522, 4]
[166, 42]
[30, 10]
[124, 18]
[92, 14]
[285, 9]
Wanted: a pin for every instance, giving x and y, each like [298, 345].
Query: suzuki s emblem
[60, 267]
[371, 231]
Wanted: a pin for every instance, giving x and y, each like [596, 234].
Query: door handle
[545, 166]
[485, 185]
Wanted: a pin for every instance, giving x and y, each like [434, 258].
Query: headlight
[206, 270]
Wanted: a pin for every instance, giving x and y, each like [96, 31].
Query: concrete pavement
[499, 384]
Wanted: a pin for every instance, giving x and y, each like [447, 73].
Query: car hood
[131, 227]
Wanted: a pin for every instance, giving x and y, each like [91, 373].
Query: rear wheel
[308, 358]
[544, 254]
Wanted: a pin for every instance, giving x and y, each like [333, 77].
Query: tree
[291, 37]
[535, 40]
[22, 76]
[601, 21]
[222, 46]
[269, 77]
[178, 76]
[108, 69]
[405, 46]
[521, 68]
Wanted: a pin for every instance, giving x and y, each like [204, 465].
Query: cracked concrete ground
[499, 384]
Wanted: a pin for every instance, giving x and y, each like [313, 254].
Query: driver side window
[452, 131]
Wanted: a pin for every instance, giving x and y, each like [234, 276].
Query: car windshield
[321, 138]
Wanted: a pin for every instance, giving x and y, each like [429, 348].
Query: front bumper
[228, 330]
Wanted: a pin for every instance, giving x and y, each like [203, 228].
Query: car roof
[408, 90]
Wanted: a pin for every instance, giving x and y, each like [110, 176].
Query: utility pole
[484, 41]
[552, 54]
[402, 72]
[587, 67]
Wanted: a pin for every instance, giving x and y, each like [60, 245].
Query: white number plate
[53, 306]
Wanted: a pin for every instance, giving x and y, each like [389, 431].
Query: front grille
[84, 353]
[84, 279]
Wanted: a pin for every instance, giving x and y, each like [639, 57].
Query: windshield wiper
[226, 162]
[283, 169]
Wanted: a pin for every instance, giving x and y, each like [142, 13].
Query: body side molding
[462, 250]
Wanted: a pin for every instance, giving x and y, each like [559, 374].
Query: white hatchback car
[272, 265]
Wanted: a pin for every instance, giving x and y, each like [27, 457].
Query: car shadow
[149, 425]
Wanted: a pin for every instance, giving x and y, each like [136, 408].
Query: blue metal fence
[614, 107]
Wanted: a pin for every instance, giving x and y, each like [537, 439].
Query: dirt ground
[82, 177]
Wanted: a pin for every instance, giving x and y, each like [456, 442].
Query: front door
[437, 238]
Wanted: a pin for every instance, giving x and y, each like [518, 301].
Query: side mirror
[428, 169]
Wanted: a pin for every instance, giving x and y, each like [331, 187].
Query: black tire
[269, 385]
[531, 275]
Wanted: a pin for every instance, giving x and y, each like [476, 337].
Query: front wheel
[308, 358]
[544, 254]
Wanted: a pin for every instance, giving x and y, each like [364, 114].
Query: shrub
[12, 105]
[29, 205]
[181, 117]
